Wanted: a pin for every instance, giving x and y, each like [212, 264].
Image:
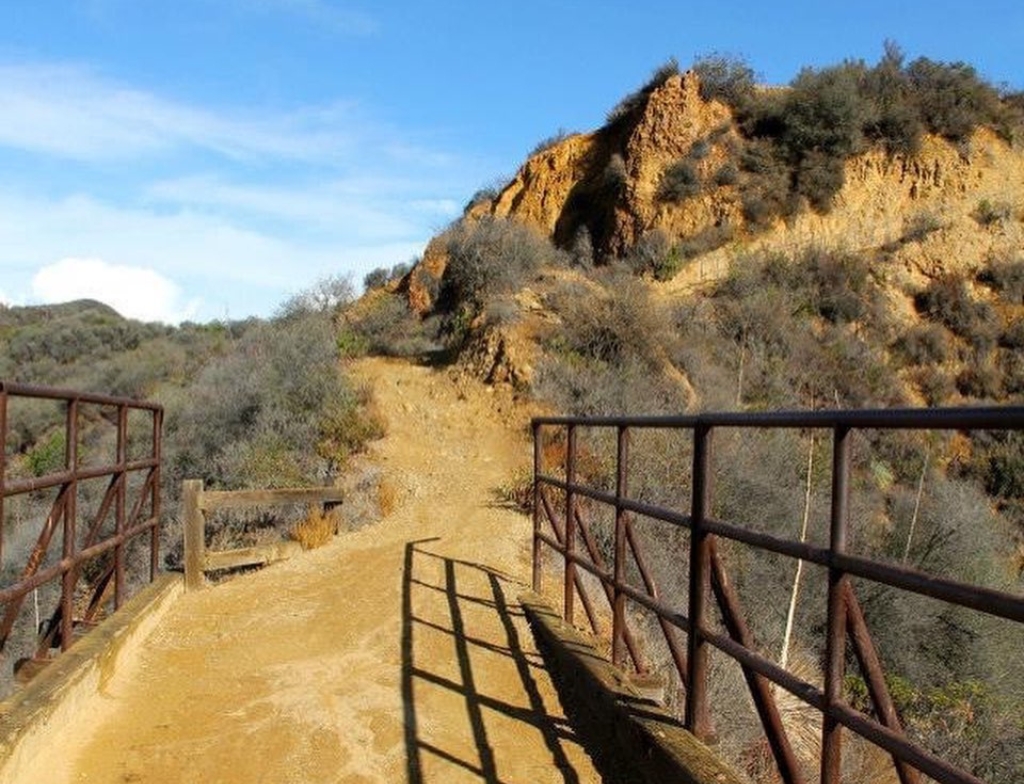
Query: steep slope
[960, 203]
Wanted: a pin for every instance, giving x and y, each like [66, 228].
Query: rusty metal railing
[708, 581]
[129, 507]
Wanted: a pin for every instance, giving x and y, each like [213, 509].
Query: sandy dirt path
[396, 653]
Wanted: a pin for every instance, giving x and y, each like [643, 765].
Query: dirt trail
[396, 653]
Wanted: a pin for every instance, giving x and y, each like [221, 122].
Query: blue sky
[205, 159]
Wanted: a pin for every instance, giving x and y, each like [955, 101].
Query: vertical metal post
[119, 510]
[154, 541]
[570, 522]
[537, 511]
[195, 535]
[3, 465]
[700, 561]
[835, 643]
[619, 598]
[70, 517]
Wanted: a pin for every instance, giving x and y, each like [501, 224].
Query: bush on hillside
[952, 100]
[948, 301]
[1006, 278]
[925, 344]
[551, 141]
[679, 181]
[487, 258]
[260, 415]
[725, 78]
[632, 103]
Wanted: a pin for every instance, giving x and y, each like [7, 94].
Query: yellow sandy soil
[396, 653]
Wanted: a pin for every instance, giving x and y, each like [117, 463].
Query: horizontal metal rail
[845, 620]
[966, 418]
[135, 517]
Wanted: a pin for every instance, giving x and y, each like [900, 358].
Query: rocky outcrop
[885, 199]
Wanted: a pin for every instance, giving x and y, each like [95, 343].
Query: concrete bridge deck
[396, 653]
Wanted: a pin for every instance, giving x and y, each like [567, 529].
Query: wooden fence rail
[196, 502]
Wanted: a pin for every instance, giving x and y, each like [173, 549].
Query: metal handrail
[709, 582]
[140, 518]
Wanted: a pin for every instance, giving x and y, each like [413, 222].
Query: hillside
[682, 173]
[852, 240]
[848, 241]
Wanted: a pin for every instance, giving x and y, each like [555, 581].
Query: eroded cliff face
[925, 212]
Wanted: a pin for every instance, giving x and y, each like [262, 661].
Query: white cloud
[235, 271]
[133, 292]
[238, 209]
[69, 111]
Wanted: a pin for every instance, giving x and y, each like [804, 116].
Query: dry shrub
[387, 497]
[517, 491]
[863, 763]
[316, 529]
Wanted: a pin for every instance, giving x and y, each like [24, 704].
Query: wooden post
[195, 534]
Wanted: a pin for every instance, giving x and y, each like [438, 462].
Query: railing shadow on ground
[474, 611]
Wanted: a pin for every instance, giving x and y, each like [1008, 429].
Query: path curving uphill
[396, 653]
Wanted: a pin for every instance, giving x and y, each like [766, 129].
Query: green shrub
[839, 284]
[948, 301]
[980, 380]
[819, 177]
[951, 98]
[1007, 278]
[679, 181]
[727, 174]
[988, 212]
[47, 456]
[935, 384]
[699, 150]
[706, 240]
[925, 344]
[384, 326]
[582, 253]
[1012, 337]
[376, 278]
[894, 120]
[488, 257]
[725, 78]
[824, 112]
[261, 408]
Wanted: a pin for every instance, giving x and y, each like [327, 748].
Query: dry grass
[315, 530]
[517, 491]
[863, 763]
[387, 497]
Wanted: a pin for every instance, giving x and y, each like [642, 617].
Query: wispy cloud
[361, 209]
[69, 111]
[236, 207]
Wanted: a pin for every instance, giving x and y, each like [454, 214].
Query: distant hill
[26, 315]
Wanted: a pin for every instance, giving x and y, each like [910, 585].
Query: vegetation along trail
[396, 653]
